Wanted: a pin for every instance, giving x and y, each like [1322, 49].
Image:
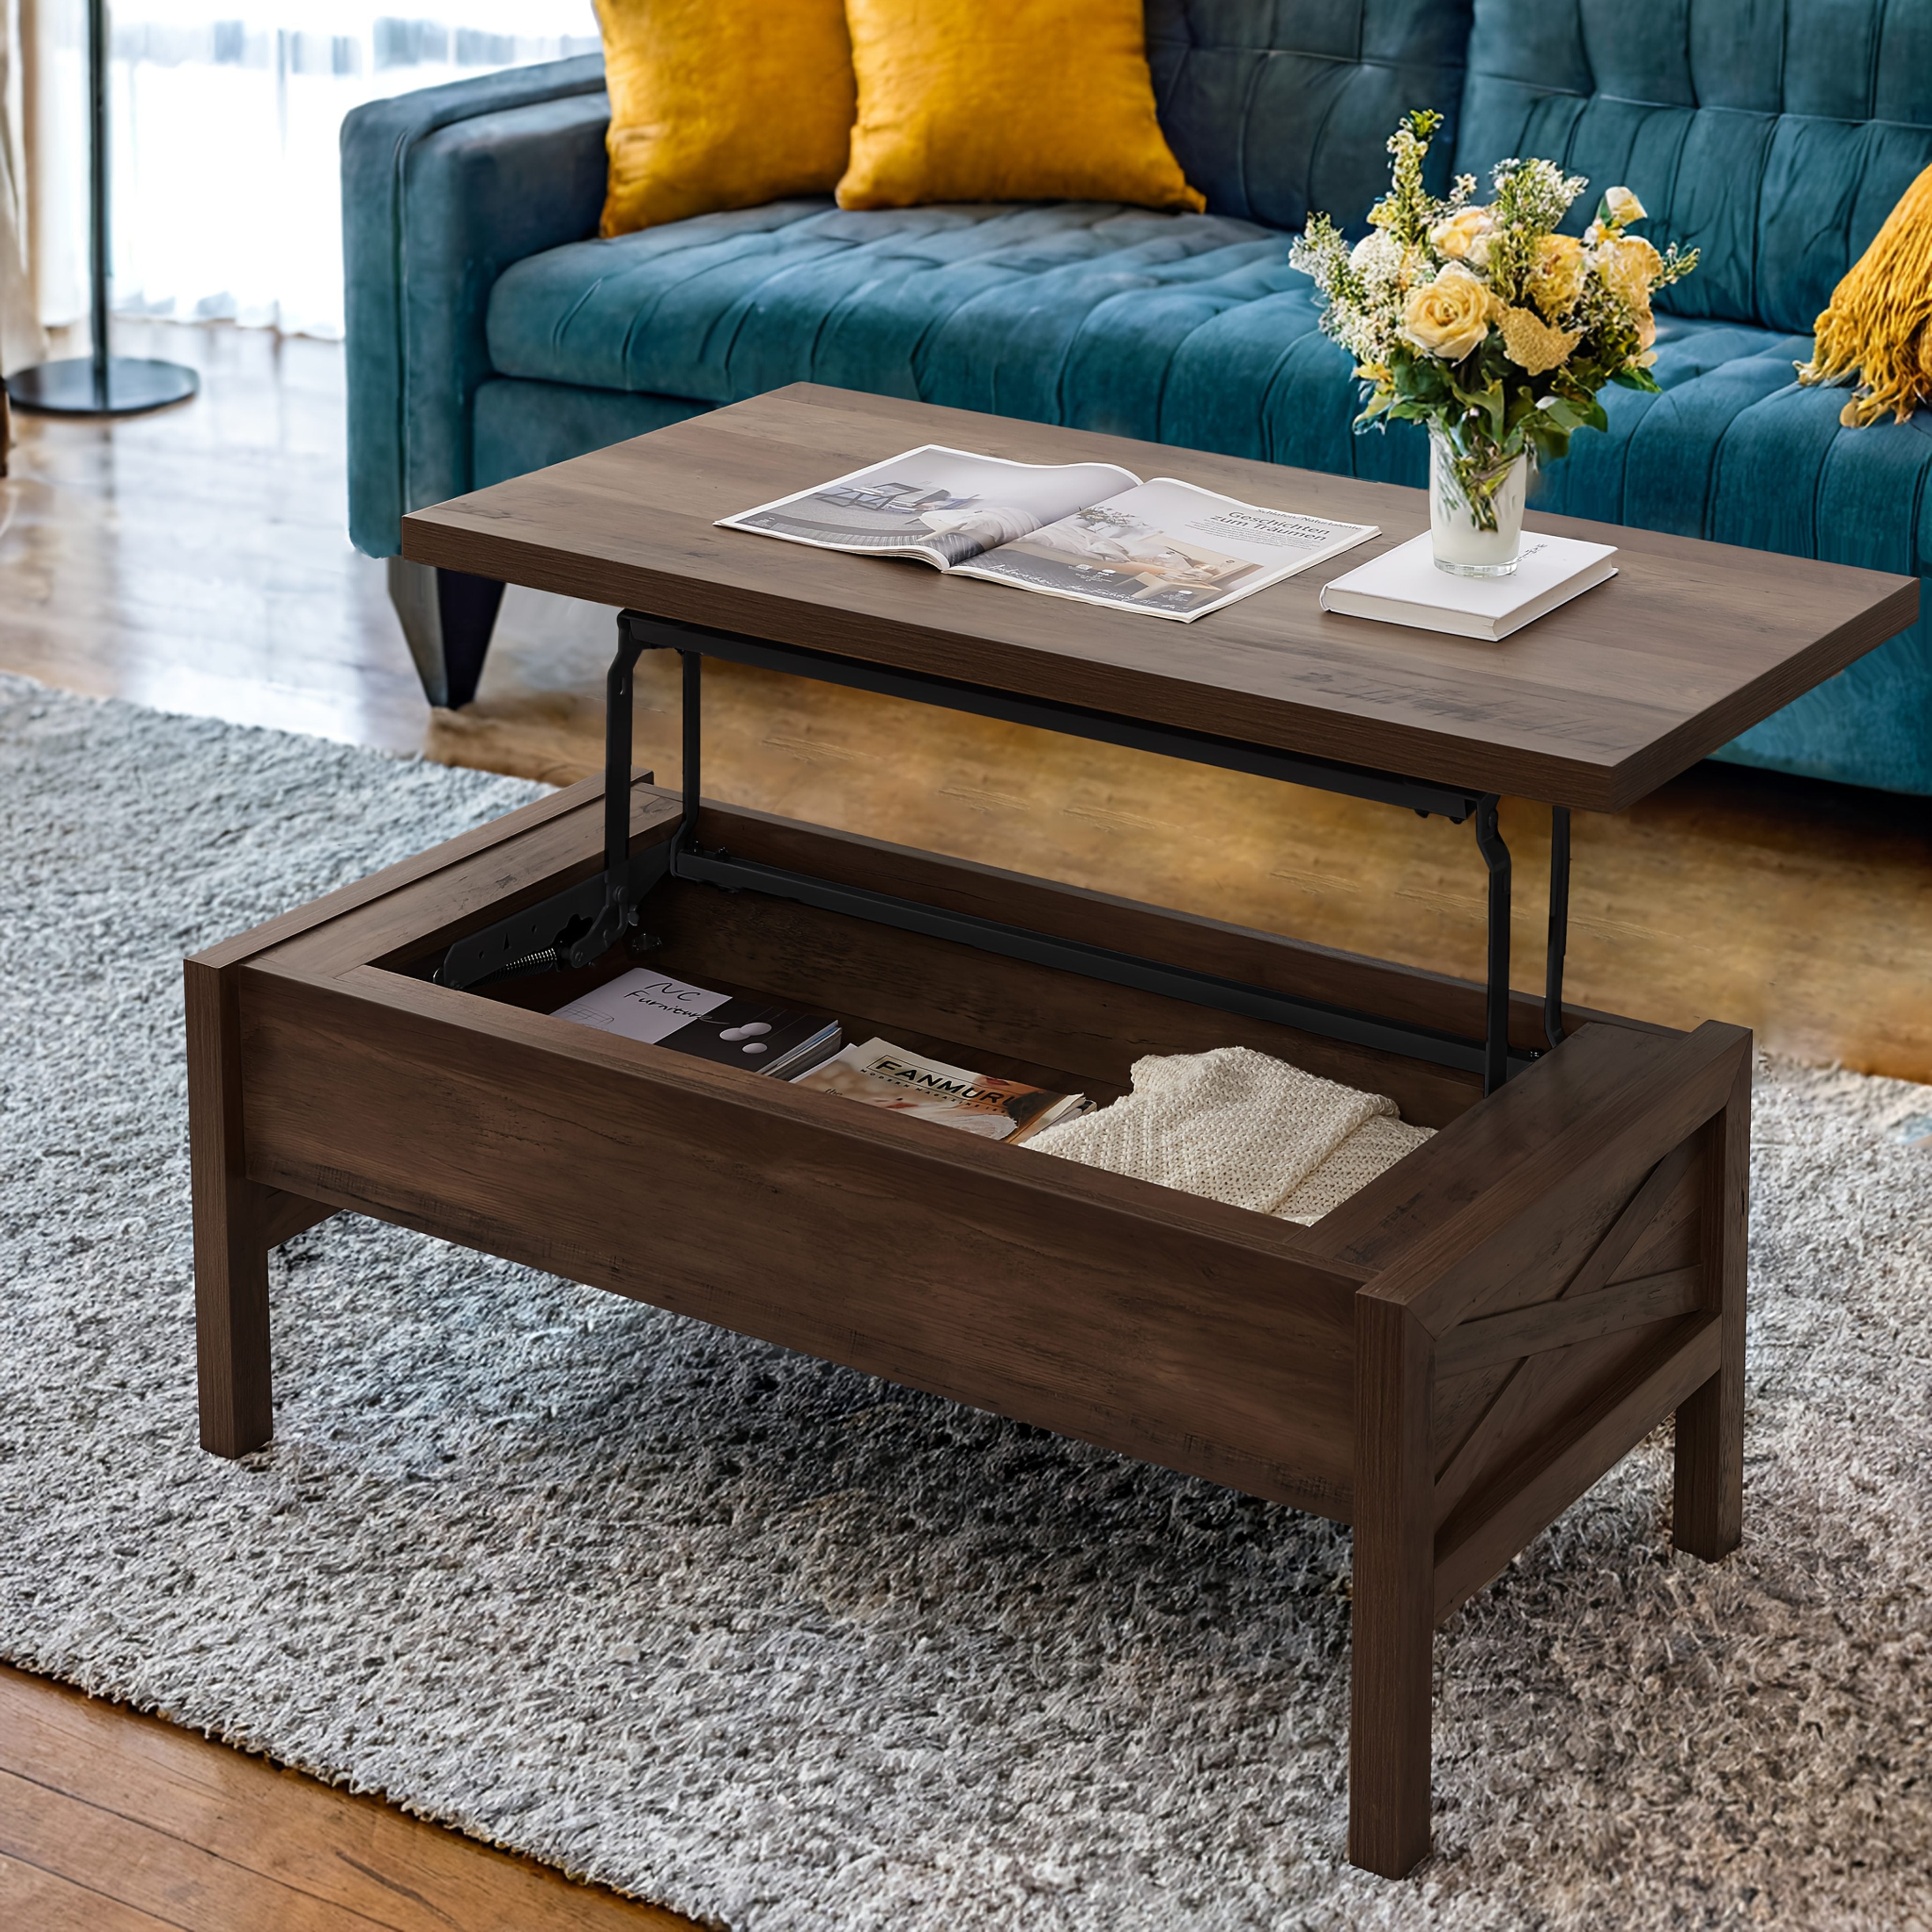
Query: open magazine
[1087, 530]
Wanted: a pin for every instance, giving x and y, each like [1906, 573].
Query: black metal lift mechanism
[577, 926]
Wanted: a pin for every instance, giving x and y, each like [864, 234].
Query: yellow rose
[1455, 237]
[1447, 317]
[1628, 265]
[1620, 208]
[1646, 331]
[1532, 343]
[1556, 275]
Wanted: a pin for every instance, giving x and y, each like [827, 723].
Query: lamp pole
[99, 384]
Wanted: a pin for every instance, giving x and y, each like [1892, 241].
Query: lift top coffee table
[1446, 1361]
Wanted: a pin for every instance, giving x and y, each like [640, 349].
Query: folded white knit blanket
[1241, 1127]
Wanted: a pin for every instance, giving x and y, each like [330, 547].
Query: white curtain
[21, 340]
[225, 115]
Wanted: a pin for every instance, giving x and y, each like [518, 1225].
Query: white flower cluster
[1486, 321]
[1442, 278]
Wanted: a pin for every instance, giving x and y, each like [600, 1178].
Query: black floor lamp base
[74, 388]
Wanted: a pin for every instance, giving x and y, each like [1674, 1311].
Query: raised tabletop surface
[1591, 706]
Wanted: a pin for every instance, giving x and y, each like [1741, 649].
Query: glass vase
[1474, 539]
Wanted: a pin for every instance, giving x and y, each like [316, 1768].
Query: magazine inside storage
[1013, 1019]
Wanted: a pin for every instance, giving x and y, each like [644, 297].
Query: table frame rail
[576, 927]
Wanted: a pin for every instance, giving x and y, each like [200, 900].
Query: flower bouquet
[1487, 325]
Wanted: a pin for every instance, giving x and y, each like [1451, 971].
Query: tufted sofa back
[1774, 135]
[1274, 107]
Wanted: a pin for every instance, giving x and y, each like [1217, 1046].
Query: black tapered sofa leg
[448, 616]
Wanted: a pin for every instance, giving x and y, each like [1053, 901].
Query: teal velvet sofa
[490, 333]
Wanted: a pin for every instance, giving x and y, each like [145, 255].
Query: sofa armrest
[441, 190]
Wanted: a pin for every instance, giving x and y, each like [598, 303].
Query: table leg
[231, 1218]
[1392, 1618]
[1708, 1515]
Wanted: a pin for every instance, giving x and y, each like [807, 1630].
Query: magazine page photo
[945, 506]
[1167, 548]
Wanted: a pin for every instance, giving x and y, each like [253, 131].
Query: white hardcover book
[1403, 587]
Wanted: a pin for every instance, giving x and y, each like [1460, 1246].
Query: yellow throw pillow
[1006, 100]
[722, 103]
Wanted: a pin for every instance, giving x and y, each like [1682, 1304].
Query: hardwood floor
[196, 560]
[114, 1822]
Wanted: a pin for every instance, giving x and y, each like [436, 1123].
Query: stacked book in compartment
[764, 1038]
[1235, 1125]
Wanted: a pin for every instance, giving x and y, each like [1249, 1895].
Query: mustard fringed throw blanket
[1879, 327]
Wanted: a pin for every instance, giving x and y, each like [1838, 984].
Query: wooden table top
[1591, 706]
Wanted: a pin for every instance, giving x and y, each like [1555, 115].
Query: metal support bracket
[1559, 924]
[1454, 802]
[576, 926]
[581, 923]
[1496, 992]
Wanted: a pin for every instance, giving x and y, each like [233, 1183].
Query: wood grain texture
[1593, 707]
[538, 855]
[1424, 1198]
[1557, 1421]
[1392, 1623]
[1219, 947]
[1800, 909]
[110, 1821]
[231, 1226]
[1090, 1030]
[43, 1901]
[1174, 1328]
[1591, 1442]
[1707, 1516]
[286, 1216]
[1536, 1329]
[1294, 1364]
[796, 952]
[1493, 1408]
[1674, 1238]
[193, 559]
[1533, 1221]
[96, 596]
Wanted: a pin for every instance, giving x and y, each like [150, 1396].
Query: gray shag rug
[783, 1647]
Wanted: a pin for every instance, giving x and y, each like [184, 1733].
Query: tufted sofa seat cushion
[1181, 328]
[1072, 312]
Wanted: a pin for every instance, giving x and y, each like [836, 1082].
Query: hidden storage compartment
[1013, 1018]
[1147, 1319]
